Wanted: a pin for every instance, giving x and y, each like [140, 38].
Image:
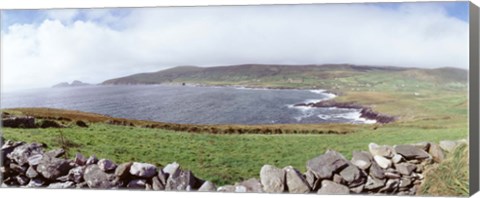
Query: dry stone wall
[382, 169]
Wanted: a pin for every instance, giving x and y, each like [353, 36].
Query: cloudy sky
[43, 47]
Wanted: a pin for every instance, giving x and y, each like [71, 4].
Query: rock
[137, 184]
[143, 170]
[338, 179]
[18, 169]
[352, 176]
[55, 153]
[227, 188]
[397, 158]
[295, 182]
[31, 172]
[76, 174]
[382, 161]
[405, 182]
[91, 160]
[325, 165]
[67, 184]
[35, 183]
[80, 159]
[207, 187]
[312, 180]
[157, 184]
[34, 159]
[392, 175]
[411, 152]
[182, 180]
[21, 153]
[329, 188]
[376, 171]
[374, 183]
[106, 165]
[448, 145]
[422, 145]
[51, 168]
[96, 178]
[123, 170]
[272, 179]
[251, 185]
[405, 168]
[390, 185]
[357, 189]
[172, 168]
[148, 186]
[384, 151]
[362, 159]
[436, 152]
[22, 180]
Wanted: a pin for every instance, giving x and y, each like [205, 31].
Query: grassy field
[427, 108]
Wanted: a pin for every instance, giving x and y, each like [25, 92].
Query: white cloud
[59, 49]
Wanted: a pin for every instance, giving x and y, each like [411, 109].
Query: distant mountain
[75, 83]
[285, 73]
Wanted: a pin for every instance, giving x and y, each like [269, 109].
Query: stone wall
[381, 170]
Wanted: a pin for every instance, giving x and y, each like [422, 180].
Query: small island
[75, 83]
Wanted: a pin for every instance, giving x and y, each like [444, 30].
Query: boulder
[21, 153]
[397, 158]
[227, 188]
[324, 166]
[96, 178]
[357, 189]
[405, 168]
[362, 159]
[272, 179]
[390, 186]
[329, 188]
[137, 184]
[22, 180]
[384, 151]
[207, 187]
[80, 159]
[252, 185]
[374, 183]
[91, 160]
[436, 152]
[55, 153]
[182, 180]
[31, 172]
[106, 165]
[123, 170]
[376, 171]
[18, 169]
[157, 184]
[352, 176]
[51, 168]
[411, 152]
[312, 180]
[448, 145]
[76, 174]
[143, 170]
[382, 161]
[34, 159]
[62, 185]
[422, 145]
[295, 182]
[172, 168]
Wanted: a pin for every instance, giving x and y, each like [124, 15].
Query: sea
[189, 104]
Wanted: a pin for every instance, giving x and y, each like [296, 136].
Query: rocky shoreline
[365, 112]
[383, 169]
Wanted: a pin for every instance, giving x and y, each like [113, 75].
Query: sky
[41, 48]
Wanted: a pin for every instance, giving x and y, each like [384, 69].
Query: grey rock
[21, 153]
[182, 180]
[22, 180]
[96, 178]
[31, 172]
[405, 182]
[81, 185]
[374, 183]
[352, 175]
[384, 151]
[390, 186]
[123, 170]
[148, 186]
[397, 158]
[51, 168]
[55, 153]
[91, 160]
[325, 165]
[329, 188]
[106, 165]
[272, 179]
[80, 159]
[295, 181]
[411, 152]
[157, 184]
[448, 145]
[405, 168]
[436, 152]
[76, 174]
[357, 189]
[143, 170]
[422, 145]
[382, 161]
[226, 188]
[338, 179]
[207, 187]
[252, 185]
[137, 184]
[59, 185]
[312, 180]
[392, 175]
[362, 159]
[35, 183]
[172, 168]
[35, 159]
[18, 169]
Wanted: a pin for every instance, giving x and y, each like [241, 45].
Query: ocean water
[188, 104]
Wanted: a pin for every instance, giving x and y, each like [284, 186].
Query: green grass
[223, 159]
[450, 177]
